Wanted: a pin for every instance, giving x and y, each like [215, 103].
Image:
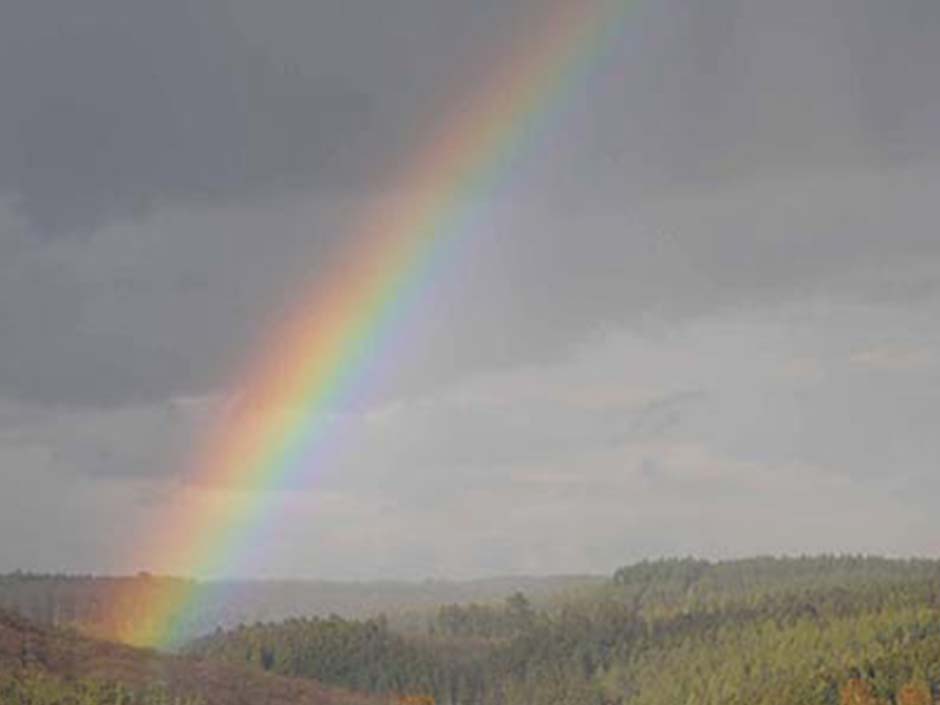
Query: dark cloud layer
[702, 301]
[114, 107]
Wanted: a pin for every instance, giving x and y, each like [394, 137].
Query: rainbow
[337, 332]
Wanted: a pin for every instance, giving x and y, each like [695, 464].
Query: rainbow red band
[339, 328]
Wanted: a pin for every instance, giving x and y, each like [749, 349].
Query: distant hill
[53, 665]
[93, 604]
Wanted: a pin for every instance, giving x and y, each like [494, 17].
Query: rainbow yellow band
[338, 329]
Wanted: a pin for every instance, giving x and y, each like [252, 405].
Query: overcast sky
[700, 315]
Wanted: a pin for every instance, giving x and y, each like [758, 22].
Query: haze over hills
[93, 603]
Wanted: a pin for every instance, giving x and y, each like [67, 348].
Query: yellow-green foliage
[772, 663]
[33, 687]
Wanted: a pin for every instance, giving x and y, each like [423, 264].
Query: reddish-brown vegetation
[70, 656]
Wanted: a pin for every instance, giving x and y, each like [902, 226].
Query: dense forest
[809, 631]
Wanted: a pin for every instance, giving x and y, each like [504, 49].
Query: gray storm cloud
[115, 108]
[743, 191]
[724, 153]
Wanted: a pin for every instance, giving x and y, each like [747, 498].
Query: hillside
[765, 631]
[52, 666]
[809, 631]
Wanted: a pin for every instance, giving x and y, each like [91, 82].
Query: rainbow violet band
[338, 330]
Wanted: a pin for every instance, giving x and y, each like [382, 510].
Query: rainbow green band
[340, 328]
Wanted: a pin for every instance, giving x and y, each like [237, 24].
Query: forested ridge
[764, 631]
[802, 631]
